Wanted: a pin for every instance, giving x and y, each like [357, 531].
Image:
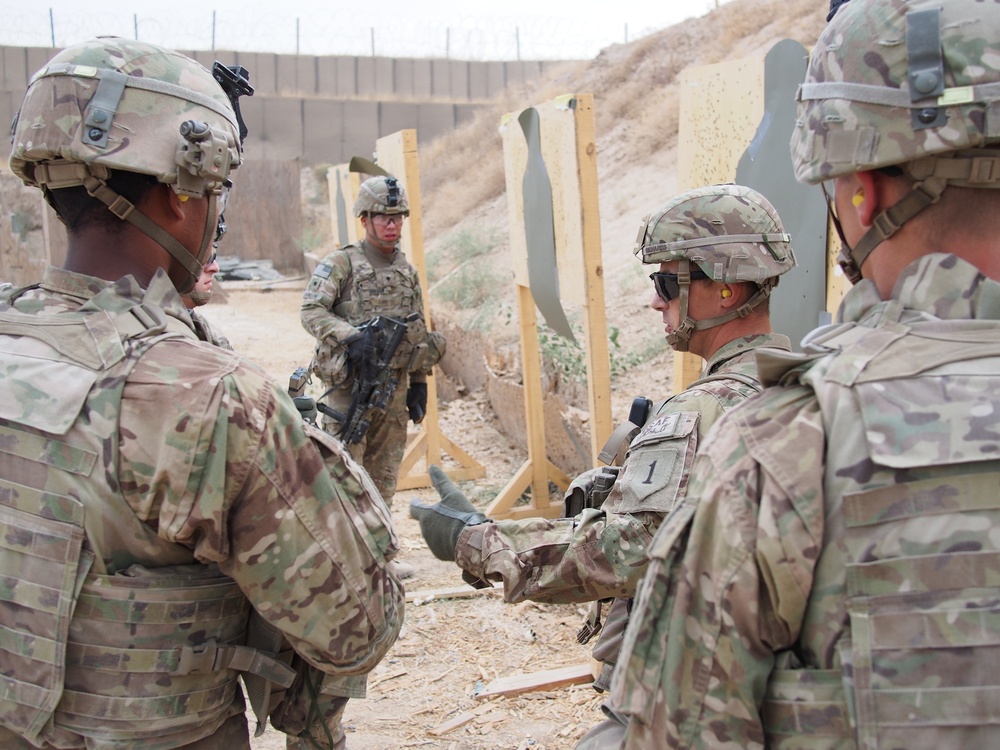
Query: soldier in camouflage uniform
[200, 295]
[720, 251]
[831, 579]
[167, 515]
[352, 285]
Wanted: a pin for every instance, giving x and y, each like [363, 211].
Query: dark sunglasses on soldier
[668, 287]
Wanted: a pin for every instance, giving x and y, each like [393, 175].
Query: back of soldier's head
[107, 119]
[910, 89]
[902, 83]
[118, 104]
[731, 232]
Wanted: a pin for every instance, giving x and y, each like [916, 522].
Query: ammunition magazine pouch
[267, 684]
[146, 656]
[589, 490]
[174, 685]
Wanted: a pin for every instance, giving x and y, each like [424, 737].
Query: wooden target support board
[735, 126]
[550, 161]
[397, 154]
[344, 185]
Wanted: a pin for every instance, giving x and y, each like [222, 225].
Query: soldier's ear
[161, 204]
[176, 203]
[873, 188]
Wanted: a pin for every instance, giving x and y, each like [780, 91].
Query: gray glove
[307, 408]
[442, 522]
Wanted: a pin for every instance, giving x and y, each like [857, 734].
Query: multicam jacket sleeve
[602, 553]
[235, 475]
[730, 573]
[328, 284]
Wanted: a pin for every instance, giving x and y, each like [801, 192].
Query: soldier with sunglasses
[835, 584]
[719, 252]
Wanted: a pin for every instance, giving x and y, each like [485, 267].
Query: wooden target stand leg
[536, 473]
[397, 154]
[430, 444]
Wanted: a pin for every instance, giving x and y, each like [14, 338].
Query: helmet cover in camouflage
[891, 82]
[731, 232]
[120, 104]
[381, 195]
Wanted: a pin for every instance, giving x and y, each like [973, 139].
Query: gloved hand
[416, 401]
[307, 408]
[355, 346]
[442, 522]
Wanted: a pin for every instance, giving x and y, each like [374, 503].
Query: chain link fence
[337, 32]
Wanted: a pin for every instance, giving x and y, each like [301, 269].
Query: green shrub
[470, 285]
[568, 358]
[464, 245]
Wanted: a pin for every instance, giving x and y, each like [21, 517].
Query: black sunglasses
[668, 287]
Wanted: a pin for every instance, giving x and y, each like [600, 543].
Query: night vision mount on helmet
[381, 195]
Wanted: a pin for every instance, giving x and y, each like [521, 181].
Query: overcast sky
[463, 29]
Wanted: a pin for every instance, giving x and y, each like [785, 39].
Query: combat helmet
[907, 84]
[381, 195]
[118, 104]
[729, 233]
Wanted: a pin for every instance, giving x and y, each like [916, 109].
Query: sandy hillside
[636, 104]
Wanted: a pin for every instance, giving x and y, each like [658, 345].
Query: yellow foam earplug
[182, 198]
[858, 198]
[726, 293]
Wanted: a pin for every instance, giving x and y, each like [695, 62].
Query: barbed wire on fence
[332, 32]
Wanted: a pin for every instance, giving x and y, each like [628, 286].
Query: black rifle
[373, 382]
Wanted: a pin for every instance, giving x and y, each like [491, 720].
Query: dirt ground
[449, 648]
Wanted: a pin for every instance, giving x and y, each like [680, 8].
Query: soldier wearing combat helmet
[171, 523]
[350, 287]
[830, 583]
[719, 252]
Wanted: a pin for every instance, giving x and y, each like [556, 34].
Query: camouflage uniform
[352, 285]
[602, 552]
[807, 577]
[167, 514]
[829, 581]
[731, 237]
[178, 493]
[207, 332]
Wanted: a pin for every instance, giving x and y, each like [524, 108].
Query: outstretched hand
[442, 523]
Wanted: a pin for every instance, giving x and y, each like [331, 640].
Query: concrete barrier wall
[327, 108]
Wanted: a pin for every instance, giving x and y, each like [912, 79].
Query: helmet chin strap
[974, 168]
[680, 338]
[199, 298]
[886, 224]
[126, 211]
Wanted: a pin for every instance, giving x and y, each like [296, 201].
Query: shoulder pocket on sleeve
[659, 459]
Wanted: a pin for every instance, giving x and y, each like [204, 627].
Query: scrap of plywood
[455, 592]
[461, 720]
[557, 142]
[390, 676]
[576, 674]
